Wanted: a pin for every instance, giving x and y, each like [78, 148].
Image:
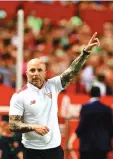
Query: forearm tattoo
[16, 124]
[68, 75]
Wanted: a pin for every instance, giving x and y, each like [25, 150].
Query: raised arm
[16, 124]
[68, 75]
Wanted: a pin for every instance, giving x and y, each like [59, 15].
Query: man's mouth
[36, 79]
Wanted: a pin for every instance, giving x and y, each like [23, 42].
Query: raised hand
[94, 41]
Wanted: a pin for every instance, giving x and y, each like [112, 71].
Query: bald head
[35, 61]
[36, 72]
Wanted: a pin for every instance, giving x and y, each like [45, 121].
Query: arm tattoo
[68, 75]
[16, 124]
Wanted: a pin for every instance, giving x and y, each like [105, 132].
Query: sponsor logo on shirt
[33, 102]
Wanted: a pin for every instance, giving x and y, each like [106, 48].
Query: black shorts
[52, 153]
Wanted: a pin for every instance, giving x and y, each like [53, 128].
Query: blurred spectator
[10, 145]
[100, 82]
[106, 40]
[6, 90]
[87, 76]
[34, 22]
[5, 58]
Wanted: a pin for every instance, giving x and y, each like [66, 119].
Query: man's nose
[36, 72]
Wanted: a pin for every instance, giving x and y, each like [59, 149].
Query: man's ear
[26, 73]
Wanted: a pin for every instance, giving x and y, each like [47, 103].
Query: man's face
[36, 72]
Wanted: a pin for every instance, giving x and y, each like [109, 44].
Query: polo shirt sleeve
[57, 83]
[16, 105]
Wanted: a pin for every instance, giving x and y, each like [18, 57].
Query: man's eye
[32, 70]
[39, 70]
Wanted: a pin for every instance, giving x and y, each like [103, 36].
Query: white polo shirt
[39, 106]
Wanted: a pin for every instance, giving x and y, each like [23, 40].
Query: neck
[92, 99]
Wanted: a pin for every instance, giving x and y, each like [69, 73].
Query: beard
[38, 82]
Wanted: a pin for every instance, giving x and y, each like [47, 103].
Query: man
[33, 110]
[94, 129]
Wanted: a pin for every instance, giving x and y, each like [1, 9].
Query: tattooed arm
[68, 75]
[16, 125]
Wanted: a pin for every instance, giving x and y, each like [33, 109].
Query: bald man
[33, 110]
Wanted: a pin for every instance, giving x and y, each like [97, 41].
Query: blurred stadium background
[55, 31]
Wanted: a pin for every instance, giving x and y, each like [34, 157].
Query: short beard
[38, 84]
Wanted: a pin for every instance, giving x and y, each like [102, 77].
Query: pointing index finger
[93, 37]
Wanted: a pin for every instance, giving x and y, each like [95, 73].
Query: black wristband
[86, 52]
